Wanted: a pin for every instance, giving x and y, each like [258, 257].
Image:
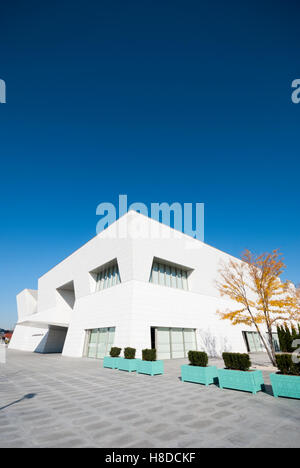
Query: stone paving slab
[77, 403]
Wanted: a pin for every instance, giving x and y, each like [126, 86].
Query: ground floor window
[99, 342]
[254, 343]
[276, 342]
[173, 342]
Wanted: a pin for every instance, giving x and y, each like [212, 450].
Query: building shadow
[29, 396]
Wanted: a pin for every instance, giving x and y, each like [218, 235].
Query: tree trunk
[271, 344]
[271, 350]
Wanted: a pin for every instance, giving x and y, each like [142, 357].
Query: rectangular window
[173, 278]
[184, 280]
[102, 280]
[174, 343]
[163, 343]
[168, 275]
[179, 279]
[276, 342]
[114, 276]
[93, 341]
[253, 342]
[177, 343]
[189, 338]
[162, 274]
[110, 276]
[105, 274]
[99, 342]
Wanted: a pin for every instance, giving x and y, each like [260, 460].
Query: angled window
[106, 276]
[167, 274]
[67, 293]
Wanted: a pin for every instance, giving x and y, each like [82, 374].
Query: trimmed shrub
[149, 354]
[287, 336]
[281, 338]
[237, 361]
[279, 334]
[286, 365]
[198, 358]
[288, 339]
[129, 353]
[115, 352]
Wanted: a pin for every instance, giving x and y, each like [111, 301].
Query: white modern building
[139, 283]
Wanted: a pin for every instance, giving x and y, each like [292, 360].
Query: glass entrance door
[174, 342]
[189, 337]
[177, 343]
[163, 343]
[92, 349]
[100, 341]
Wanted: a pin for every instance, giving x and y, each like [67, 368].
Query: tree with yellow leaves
[297, 300]
[254, 283]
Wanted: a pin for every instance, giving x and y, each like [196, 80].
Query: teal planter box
[285, 385]
[111, 362]
[129, 365]
[251, 381]
[197, 374]
[150, 367]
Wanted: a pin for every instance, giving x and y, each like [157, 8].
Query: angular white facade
[106, 293]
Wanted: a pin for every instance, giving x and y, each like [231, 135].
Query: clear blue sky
[162, 100]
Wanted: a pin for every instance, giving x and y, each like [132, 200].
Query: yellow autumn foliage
[262, 298]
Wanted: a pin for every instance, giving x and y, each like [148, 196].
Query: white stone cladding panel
[27, 303]
[76, 268]
[111, 307]
[160, 306]
[27, 338]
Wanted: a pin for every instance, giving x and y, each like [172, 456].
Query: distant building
[5, 336]
[8, 336]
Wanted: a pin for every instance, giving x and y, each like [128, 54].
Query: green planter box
[251, 381]
[150, 367]
[285, 385]
[111, 362]
[197, 374]
[129, 365]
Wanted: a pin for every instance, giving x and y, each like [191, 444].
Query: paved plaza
[52, 401]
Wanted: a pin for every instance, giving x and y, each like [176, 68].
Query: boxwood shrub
[237, 361]
[286, 365]
[149, 354]
[198, 358]
[115, 352]
[129, 353]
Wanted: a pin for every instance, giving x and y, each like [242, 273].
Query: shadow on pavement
[29, 396]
